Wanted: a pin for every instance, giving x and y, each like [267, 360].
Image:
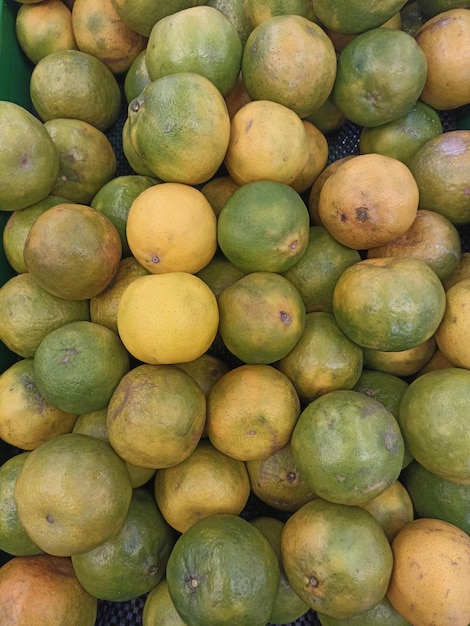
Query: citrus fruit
[403, 362]
[180, 127]
[28, 313]
[401, 138]
[186, 323]
[393, 508]
[219, 273]
[263, 226]
[437, 361]
[331, 578]
[341, 40]
[77, 85]
[171, 227]
[251, 412]
[72, 251]
[290, 60]
[136, 77]
[142, 15]
[356, 443]
[100, 31]
[317, 158]
[218, 190]
[433, 420]
[235, 11]
[267, 141]
[442, 552]
[289, 606]
[461, 271]
[379, 77]
[223, 570]
[316, 273]
[131, 562]
[444, 41]
[327, 117]
[17, 228]
[87, 160]
[133, 159]
[200, 39]
[324, 358]
[369, 200]
[159, 609]
[156, 416]
[44, 27]
[262, 316]
[29, 161]
[78, 366]
[436, 497]
[432, 238]
[13, 537]
[114, 200]
[382, 614]
[258, 11]
[43, 589]
[104, 306]
[68, 507]
[389, 304]
[206, 370]
[452, 333]
[237, 97]
[207, 482]
[315, 190]
[439, 168]
[355, 17]
[26, 419]
[278, 482]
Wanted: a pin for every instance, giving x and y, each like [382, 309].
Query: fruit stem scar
[285, 317]
[155, 259]
[69, 354]
[312, 582]
[192, 581]
[49, 519]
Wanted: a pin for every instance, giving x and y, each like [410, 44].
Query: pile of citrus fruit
[241, 373]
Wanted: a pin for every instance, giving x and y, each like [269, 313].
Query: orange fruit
[258, 11]
[433, 420]
[29, 313]
[206, 370]
[29, 161]
[430, 8]
[267, 141]
[114, 200]
[251, 412]
[263, 226]
[444, 40]
[356, 16]
[208, 482]
[437, 361]
[180, 127]
[341, 40]
[159, 609]
[452, 333]
[380, 75]
[142, 15]
[234, 10]
[393, 508]
[219, 273]
[439, 168]
[137, 77]
[186, 324]
[171, 227]
[401, 138]
[27, 420]
[442, 551]
[327, 117]
[87, 160]
[218, 190]
[200, 39]
[381, 613]
[315, 190]
[133, 159]
[43, 589]
[389, 304]
[72, 251]
[68, 507]
[237, 97]
[323, 359]
[369, 200]
[78, 366]
[403, 362]
[74, 84]
[17, 228]
[290, 60]
[317, 158]
[461, 271]
[289, 606]
[100, 31]
[356, 459]
[316, 273]
[13, 538]
[223, 565]
[44, 27]
[104, 306]
[436, 497]
[332, 579]
[156, 416]
[277, 481]
[432, 238]
[133, 561]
